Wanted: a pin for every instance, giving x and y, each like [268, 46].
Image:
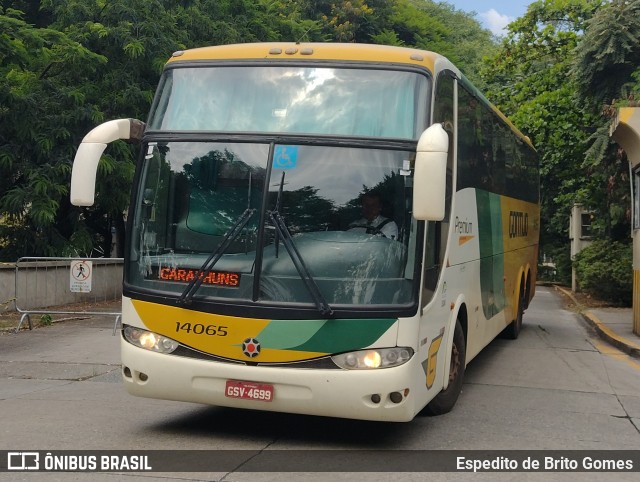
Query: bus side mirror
[85, 163]
[430, 174]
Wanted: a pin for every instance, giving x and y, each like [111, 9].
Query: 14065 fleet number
[200, 329]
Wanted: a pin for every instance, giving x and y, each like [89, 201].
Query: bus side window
[443, 112]
[469, 163]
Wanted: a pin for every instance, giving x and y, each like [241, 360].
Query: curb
[602, 329]
[607, 334]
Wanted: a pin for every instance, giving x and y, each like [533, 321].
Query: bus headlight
[149, 340]
[375, 358]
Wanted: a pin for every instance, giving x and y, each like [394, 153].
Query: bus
[258, 273]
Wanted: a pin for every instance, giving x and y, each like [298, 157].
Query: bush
[604, 270]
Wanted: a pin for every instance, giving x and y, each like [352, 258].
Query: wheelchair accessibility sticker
[285, 157]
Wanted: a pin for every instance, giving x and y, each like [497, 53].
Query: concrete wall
[46, 283]
[7, 288]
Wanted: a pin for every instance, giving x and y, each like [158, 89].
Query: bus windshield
[292, 99]
[347, 209]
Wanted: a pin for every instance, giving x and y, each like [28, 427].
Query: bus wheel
[513, 329]
[446, 399]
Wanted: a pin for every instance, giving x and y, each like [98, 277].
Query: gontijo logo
[518, 224]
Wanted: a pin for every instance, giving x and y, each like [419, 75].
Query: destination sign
[185, 275]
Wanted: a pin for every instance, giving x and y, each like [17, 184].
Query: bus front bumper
[380, 395]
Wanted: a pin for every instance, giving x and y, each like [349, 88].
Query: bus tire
[446, 399]
[513, 329]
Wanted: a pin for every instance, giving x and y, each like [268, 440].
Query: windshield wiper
[281, 229]
[207, 266]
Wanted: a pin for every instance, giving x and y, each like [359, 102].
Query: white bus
[326, 229]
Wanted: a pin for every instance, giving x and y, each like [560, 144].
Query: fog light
[396, 397]
[375, 398]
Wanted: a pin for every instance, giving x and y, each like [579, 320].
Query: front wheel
[446, 399]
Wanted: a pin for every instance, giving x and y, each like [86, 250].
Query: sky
[493, 14]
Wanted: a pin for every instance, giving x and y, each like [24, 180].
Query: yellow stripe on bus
[218, 335]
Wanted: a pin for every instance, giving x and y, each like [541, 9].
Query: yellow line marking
[613, 352]
[609, 332]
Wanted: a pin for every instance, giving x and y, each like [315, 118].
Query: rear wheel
[446, 399]
[513, 329]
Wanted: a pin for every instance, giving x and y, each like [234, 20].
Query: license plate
[249, 390]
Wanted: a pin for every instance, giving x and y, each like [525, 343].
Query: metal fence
[73, 286]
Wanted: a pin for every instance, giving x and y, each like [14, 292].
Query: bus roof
[312, 51]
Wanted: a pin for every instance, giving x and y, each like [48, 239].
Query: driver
[372, 222]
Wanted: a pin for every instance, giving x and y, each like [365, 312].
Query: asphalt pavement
[539, 402]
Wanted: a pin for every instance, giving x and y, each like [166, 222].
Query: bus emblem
[251, 347]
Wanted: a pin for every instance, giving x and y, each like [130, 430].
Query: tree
[606, 69]
[428, 25]
[530, 80]
[136, 39]
[608, 56]
[42, 108]
[466, 43]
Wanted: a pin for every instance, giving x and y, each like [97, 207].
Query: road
[556, 387]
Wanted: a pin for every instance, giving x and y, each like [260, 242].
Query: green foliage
[46, 320]
[604, 270]
[609, 52]
[605, 68]
[465, 41]
[530, 79]
[41, 106]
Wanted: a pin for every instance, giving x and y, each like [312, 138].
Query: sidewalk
[614, 325]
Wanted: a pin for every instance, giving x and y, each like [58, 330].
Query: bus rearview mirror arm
[85, 163]
[430, 174]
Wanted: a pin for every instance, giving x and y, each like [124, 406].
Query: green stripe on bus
[491, 253]
[325, 336]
